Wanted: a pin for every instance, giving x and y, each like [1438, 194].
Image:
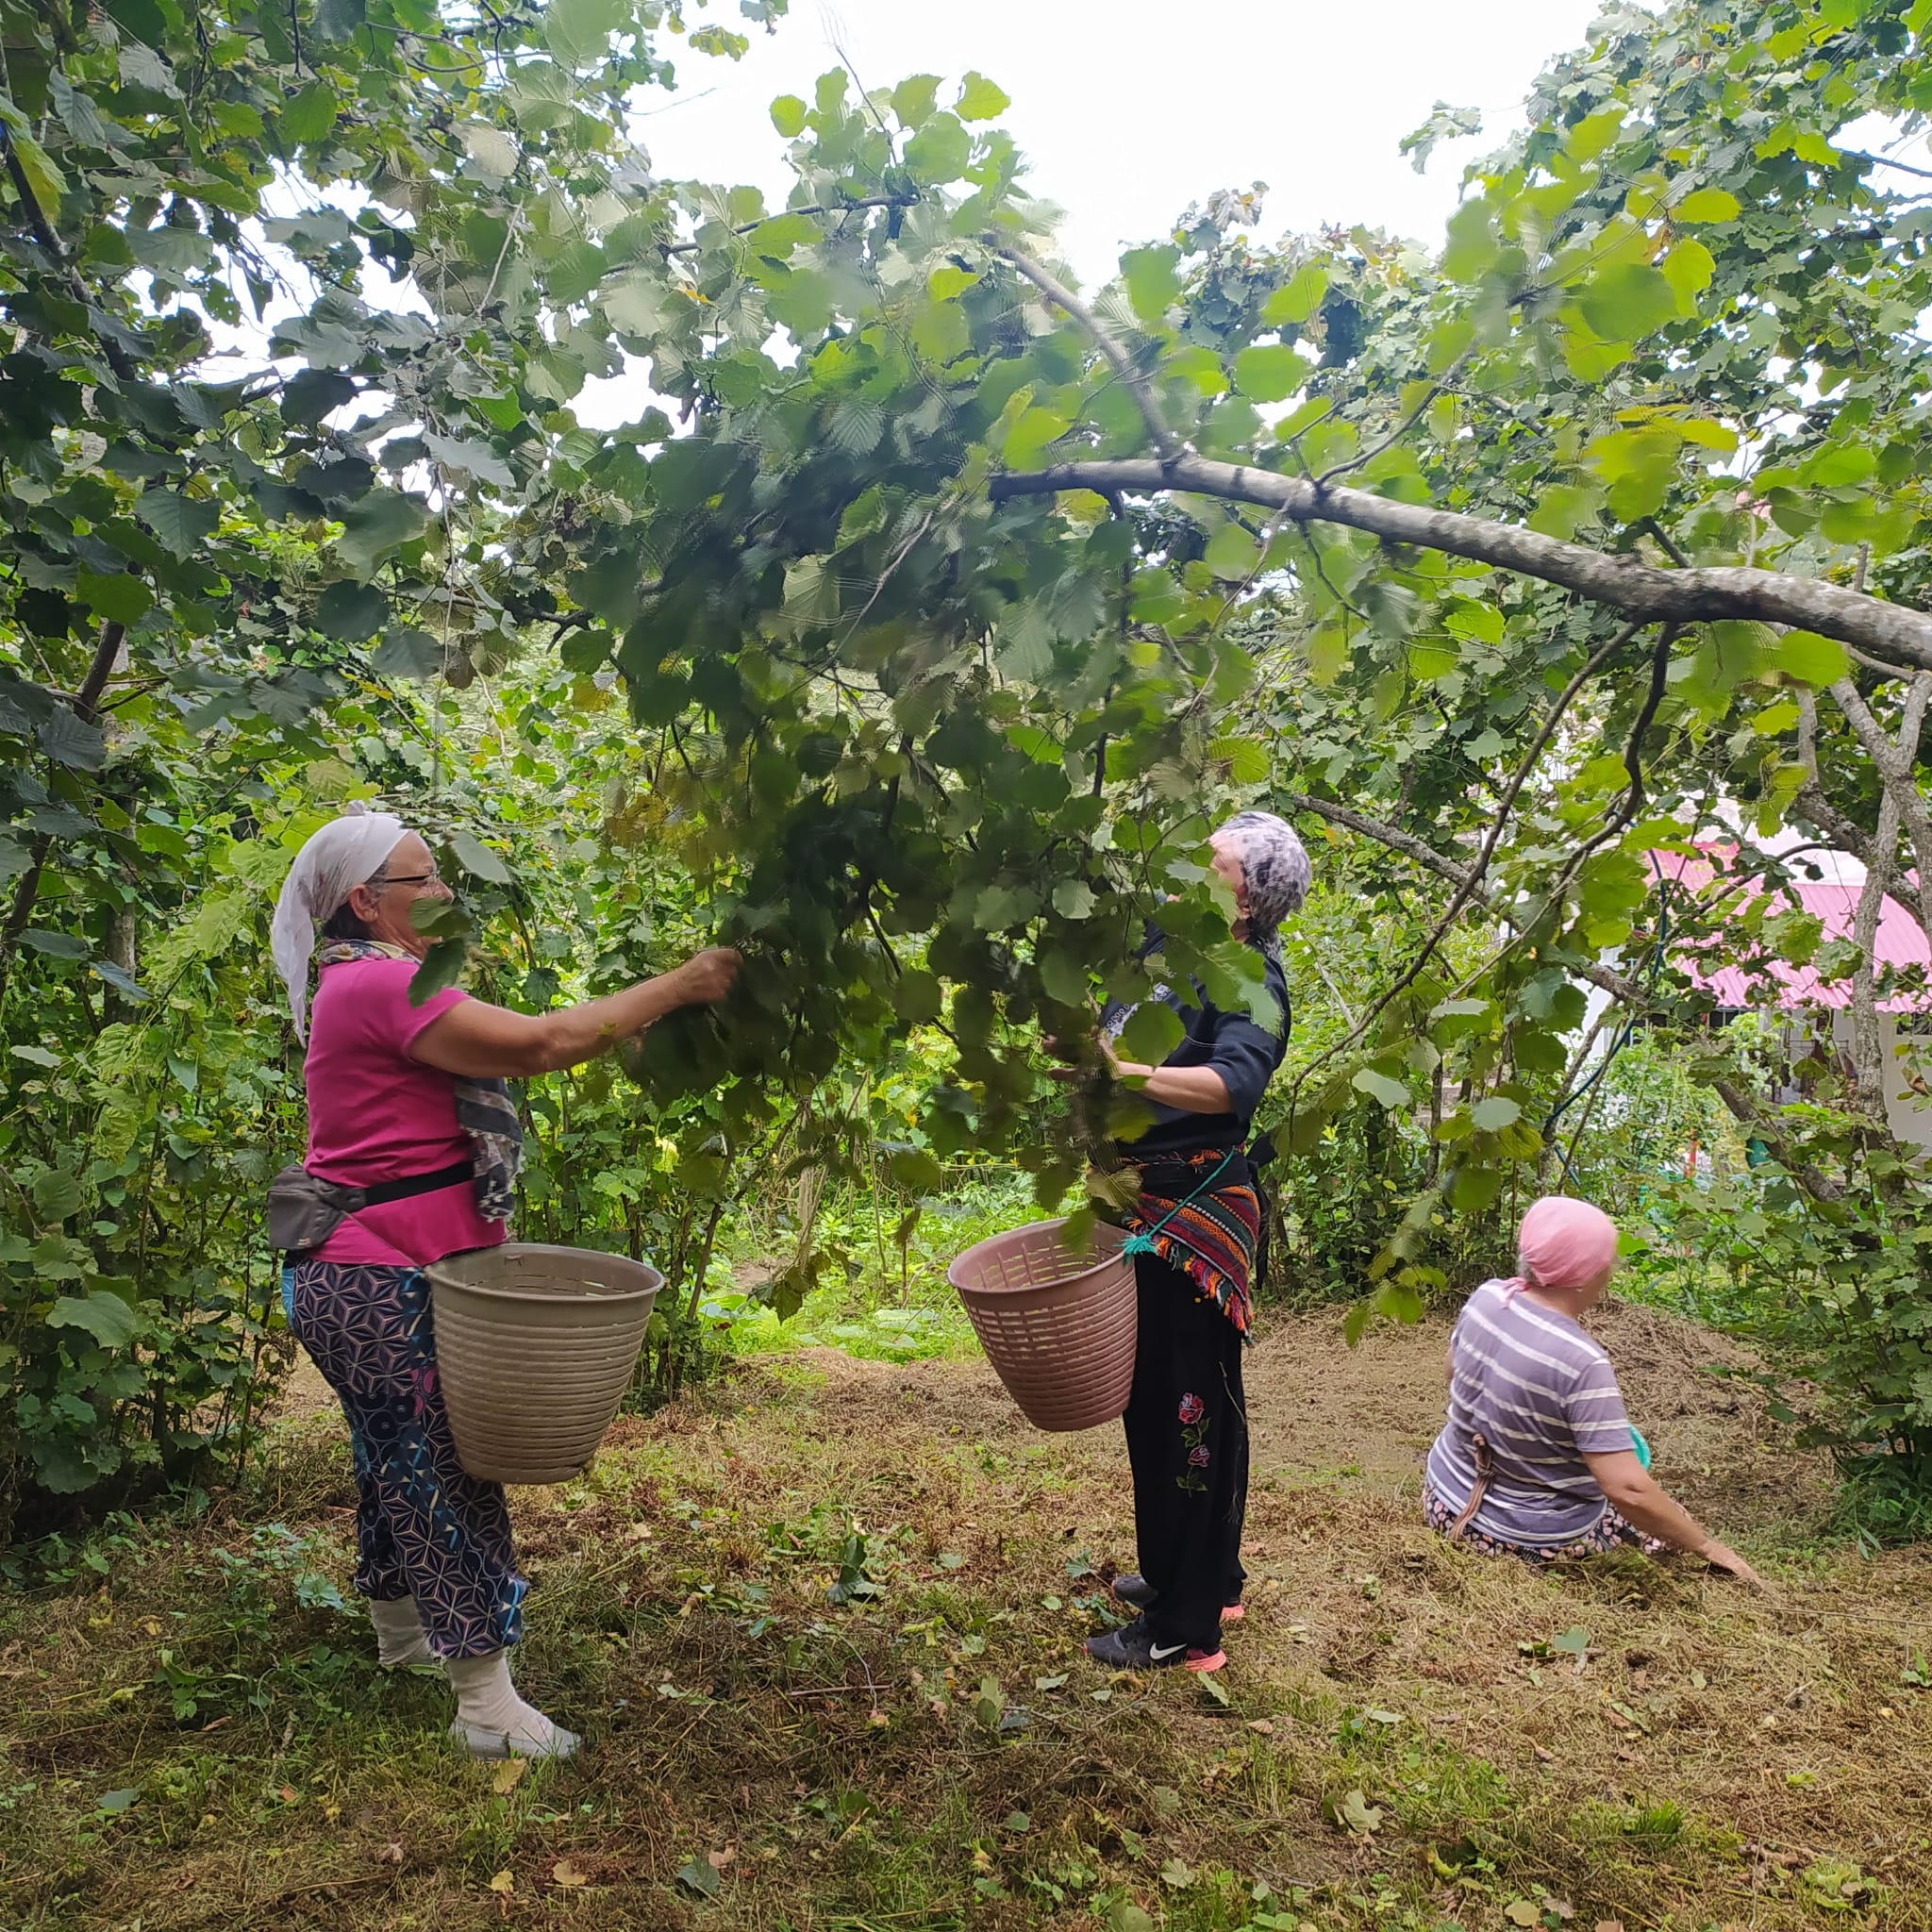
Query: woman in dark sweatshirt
[1194, 1234]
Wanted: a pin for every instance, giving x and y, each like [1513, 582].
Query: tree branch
[1165, 441]
[86, 705]
[667, 249]
[1639, 590]
[1637, 997]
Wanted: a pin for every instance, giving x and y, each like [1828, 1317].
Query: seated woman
[1538, 1458]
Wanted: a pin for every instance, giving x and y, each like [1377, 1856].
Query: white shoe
[525, 1742]
[494, 1722]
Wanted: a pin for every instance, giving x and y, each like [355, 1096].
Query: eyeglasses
[431, 877]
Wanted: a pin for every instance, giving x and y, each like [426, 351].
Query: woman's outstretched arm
[484, 1042]
[1637, 1496]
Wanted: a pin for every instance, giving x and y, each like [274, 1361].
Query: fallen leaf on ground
[718, 1861]
[698, 1874]
[1265, 1725]
[1353, 1814]
[567, 1874]
[1520, 1911]
[504, 1881]
[509, 1774]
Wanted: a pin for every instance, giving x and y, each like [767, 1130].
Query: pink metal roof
[1900, 939]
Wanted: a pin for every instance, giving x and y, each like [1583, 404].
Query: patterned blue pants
[424, 1528]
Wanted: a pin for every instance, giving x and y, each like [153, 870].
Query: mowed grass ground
[1411, 1737]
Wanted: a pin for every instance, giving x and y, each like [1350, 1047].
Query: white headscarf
[344, 855]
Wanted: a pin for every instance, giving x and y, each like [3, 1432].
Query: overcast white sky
[1129, 110]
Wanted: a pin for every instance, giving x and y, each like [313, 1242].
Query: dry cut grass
[822, 1628]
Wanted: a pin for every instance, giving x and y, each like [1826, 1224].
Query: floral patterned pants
[424, 1526]
[1187, 1425]
[1609, 1532]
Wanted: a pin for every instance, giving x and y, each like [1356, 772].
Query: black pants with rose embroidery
[1186, 1425]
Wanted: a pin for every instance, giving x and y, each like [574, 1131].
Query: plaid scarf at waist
[1210, 1238]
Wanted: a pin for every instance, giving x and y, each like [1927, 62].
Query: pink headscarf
[1563, 1244]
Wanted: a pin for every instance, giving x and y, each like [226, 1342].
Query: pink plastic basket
[1058, 1326]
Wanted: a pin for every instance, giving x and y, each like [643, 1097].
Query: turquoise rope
[1143, 1244]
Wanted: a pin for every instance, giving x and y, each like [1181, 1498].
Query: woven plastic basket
[534, 1346]
[1058, 1326]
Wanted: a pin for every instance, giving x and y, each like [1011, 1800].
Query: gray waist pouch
[303, 1211]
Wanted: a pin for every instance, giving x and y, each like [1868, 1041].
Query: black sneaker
[1133, 1648]
[1135, 1589]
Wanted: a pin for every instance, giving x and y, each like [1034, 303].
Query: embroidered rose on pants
[1194, 1427]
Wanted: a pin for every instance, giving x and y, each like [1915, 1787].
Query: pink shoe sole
[1200, 1660]
[1233, 1613]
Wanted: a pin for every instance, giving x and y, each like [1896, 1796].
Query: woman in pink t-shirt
[410, 1104]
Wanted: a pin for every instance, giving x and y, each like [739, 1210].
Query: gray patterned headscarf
[1275, 867]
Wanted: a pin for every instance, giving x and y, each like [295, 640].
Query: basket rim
[1110, 1258]
[440, 1276]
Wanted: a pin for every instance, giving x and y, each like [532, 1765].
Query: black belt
[1171, 1178]
[381, 1193]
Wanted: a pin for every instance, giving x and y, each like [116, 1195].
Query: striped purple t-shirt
[1543, 1394]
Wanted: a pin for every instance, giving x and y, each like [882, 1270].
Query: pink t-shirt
[377, 1115]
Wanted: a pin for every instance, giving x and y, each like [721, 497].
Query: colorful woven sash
[1209, 1234]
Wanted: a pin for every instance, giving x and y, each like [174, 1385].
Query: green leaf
[1152, 1032]
[182, 523]
[57, 1195]
[72, 741]
[56, 945]
[116, 598]
[310, 115]
[916, 997]
[1232, 554]
[1496, 1112]
[1270, 373]
[1153, 281]
[406, 652]
[914, 99]
[1687, 268]
[1028, 440]
[1811, 659]
[980, 99]
[1297, 298]
[1390, 1092]
[700, 1876]
[375, 525]
[1594, 133]
[1707, 204]
[787, 116]
[1073, 899]
[337, 21]
[578, 31]
[351, 612]
[477, 859]
[312, 394]
[1627, 302]
[941, 151]
[109, 1318]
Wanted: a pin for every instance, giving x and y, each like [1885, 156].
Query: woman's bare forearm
[1641, 1500]
[1193, 1090]
[479, 1042]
